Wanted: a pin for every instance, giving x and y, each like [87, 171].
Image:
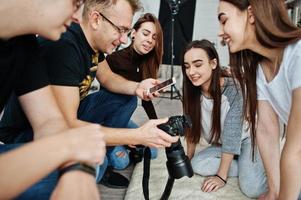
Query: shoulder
[118, 57]
[121, 54]
[230, 86]
[231, 89]
[293, 49]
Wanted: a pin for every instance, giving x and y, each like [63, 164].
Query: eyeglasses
[121, 30]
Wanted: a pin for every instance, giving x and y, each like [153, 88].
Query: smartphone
[162, 85]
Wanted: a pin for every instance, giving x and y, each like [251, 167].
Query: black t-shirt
[71, 61]
[22, 71]
[127, 62]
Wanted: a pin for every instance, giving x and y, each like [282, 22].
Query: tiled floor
[165, 107]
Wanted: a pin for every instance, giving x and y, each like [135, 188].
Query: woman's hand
[212, 184]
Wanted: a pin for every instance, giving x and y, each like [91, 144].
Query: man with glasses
[72, 64]
[24, 73]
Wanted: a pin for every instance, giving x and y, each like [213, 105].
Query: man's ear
[213, 63]
[251, 18]
[94, 19]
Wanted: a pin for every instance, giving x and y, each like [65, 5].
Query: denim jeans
[111, 110]
[40, 190]
[251, 175]
[102, 107]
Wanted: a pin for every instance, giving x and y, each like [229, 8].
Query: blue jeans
[102, 107]
[40, 190]
[251, 175]
[111, 110]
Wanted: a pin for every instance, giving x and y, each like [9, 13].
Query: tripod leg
[173, 87]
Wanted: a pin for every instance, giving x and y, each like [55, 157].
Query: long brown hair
[192, 94]
[273, 29]
[153, 59]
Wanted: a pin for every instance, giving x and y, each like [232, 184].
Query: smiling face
[234, 28]
[198, 67]
[145, 38]
[106, 35]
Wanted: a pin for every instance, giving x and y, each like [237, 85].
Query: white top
[233, 126]
[207, 106]
[278, 92]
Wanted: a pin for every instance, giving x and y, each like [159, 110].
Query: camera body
[178, 164]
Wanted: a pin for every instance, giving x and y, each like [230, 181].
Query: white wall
[205, 23]
[206, 26]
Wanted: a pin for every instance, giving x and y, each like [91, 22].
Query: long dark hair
[273, 29]
[192, 94]
[153, 59]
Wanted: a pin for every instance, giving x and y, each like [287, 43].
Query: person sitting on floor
[25, 168]
[139, 61]
[215, 105]
[72, 63]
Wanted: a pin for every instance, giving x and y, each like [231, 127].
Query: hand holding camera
[178, 164]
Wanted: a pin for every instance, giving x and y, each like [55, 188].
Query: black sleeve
[149, 109]
[34, 74]
[113, 62]
[63, 63]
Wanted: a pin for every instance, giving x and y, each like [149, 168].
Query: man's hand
[152, 136]
[76, 185]
[143, 86]
[86, 144]
[212, 184]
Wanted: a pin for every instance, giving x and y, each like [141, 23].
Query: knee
[203, 167]
[100, 170]
[154, 153]
[132, 124]
[132, 102]
[119, 158]
[252, 189]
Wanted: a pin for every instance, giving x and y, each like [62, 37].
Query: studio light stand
[174, 6]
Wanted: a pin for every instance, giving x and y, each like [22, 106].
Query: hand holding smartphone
[162, 85]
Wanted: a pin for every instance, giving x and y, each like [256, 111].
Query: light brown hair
[92, 4]
[273, 29]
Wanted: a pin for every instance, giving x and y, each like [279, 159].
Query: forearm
[290, 173]
[121, 136]
[269, 148]
[24, 166]
[190, 150]
[77, 123]
[225, 164]
[118, 84]
[50, 127]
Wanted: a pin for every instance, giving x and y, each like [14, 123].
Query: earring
[133, 37]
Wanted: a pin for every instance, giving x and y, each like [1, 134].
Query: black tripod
[174, 7]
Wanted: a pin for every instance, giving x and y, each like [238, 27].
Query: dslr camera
[178, 164]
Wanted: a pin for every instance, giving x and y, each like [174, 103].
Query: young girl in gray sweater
[215, 105]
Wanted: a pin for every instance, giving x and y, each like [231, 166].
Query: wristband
[216, 175]
[78, 166]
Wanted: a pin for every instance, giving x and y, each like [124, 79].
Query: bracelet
[78, 166]
[216, 175]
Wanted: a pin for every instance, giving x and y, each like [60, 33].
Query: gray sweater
[232, 127]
